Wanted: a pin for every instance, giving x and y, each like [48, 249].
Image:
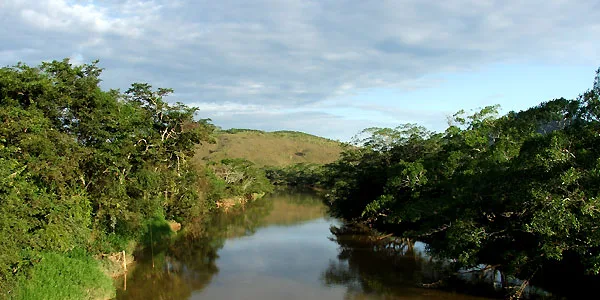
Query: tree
[86, 168]
[518, 192]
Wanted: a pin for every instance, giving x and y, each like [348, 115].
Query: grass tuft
[73, 275]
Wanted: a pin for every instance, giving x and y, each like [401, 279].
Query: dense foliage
[83, 168]
[517, 192]
[296, 175]
[236, 177]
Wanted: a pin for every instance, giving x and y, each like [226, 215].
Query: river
[280, 247]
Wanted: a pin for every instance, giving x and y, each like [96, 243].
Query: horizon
[329, 69]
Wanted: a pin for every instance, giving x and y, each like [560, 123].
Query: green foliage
[518, 191]
[238, 130]
[296, 175]
[73, 275]
[236, 177]
[85, 168]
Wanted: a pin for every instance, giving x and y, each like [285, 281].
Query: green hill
[278, 148]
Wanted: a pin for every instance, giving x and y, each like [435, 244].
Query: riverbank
[72, 275]
[516, 191]
[484, 281]
[85, 171]
[281, 245]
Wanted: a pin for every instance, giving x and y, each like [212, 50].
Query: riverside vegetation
[517, 193]
[86, 173]
[241, 162]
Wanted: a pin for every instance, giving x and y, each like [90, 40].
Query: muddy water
[281, 247]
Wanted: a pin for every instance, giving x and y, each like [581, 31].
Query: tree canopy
[517, 192]
[84, 168]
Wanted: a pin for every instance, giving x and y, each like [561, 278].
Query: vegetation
[297, 175]
[244, 163]
[82, 169]
[517, 192]
[86, 172]
[236, 177]
[271, 149]
[66, 276]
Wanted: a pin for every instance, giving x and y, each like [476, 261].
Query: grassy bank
[70, 275]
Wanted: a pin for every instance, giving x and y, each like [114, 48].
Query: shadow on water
[369, 266]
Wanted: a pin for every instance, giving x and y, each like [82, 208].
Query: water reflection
[281, 247]
[371, 267]
[186, 266]
[367, 264]
[190, 262]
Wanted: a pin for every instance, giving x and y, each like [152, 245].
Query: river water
[280, 247]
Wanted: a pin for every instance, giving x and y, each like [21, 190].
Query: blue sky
[325, 67]
[514, 87]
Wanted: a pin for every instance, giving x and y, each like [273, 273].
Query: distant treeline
[519, 192]
[86, 172]
[284, 133]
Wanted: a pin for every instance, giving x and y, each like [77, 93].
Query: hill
[278, 148]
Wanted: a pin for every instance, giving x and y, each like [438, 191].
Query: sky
[326, 67]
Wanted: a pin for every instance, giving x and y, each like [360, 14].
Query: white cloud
[292, 53]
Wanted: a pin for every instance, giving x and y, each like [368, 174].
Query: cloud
[293, 53]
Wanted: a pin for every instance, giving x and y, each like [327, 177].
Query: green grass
[75, 275]
[279, 148]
